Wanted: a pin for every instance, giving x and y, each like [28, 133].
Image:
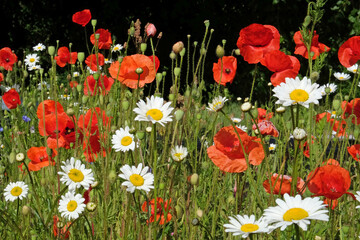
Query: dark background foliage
[26, 23]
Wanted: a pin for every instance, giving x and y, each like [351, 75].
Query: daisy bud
[239, 99]
[172, 55]
[93, 22]
[182, 52]
[246, 99]
[179, 114]
[220, 52]
[148, 129]
[139, 70]
[150, 30]
[171, 96]
[314, 76]
[194, 180]
[178, 211]
[12, 157]
[178, 47]
[81, 56]
[299, 134]
[20, 157]
[51, 50]
[25, 210]
[237, 52]
[199, 213]
[246, 106]
[177, 71]
[90, 206]
[256, 131]
[269, 84]
[112, 176]
[143, 47]
[327, 90]
[307, 21]
[195, 222]
[280, 110]
[95, 184]
[159, 77]
[70, 112]
[125, 105]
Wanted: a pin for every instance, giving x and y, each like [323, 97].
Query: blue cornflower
[26, 118]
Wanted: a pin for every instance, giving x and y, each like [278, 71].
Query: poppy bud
[26, 74]
[150, 30]
[207, 23]
[79, 88]
[179, 114]
[132, 31]
[178, 47]
[220, 52]
[159, 77]
[125, 105]
[199, 213]
[139, 70]
[307, 21]
[237, 52]
[336, 104]
[51, 50]
[171, 96]
[194, 180]
[178, 211]
[12, 157]
[101, 99]
[187, 93]
[177, 71]
[93, 22]
[25, 210]
[314, 76]
[346, 98]
[43, 181]
[245, 107]
[140, 135]
[163, 73]
[230, 200]
[81, 56]
[84, 99]
[143, 47]
[70, 112]
[172, 55]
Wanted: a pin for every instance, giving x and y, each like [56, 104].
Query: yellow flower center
[116, 48]
[333, 112]
[299, 95]
[76, 175]
[178, 155]
[271, 148]
[156, 114]
[126, 141]
[341, 77]
[249, 227]
[295, 214]
[217, 104]
[72, 205]
[32, 60]
[136, 180]
[16, 191]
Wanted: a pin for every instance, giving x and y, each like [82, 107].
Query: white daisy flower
[178, 153]
[357, 196]
[33, 67]
[272, 147]
[244, 225]
[354, 68]
[242, 127]
[217, 104]
[39, 47]
[299, 134]
[15, 86]
[123, 140]
[236, 120]
[154, 110]
[117, 48]
[65, 96]
[137, 178]
[296, 91]
[297, 211]
[44, 85]
[91, 71]
[31, 59]
[331, 87]
[71, 205]
[108, 60]
[75, 174]
[342, 76]
[76, 74]
[15, 190]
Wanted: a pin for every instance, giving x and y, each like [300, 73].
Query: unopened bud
[51, 50]
[220, 52]
[25, 210]
[90, 206]
[179, 114]
[207, 23]
[178, 47]
[182, 52]
[125, 105]
[159, 77]
[177, 71]
[140, 135]
[81, 56]
[314, 76]
[150, 30]
[20, 157]
[70, 112]
[112, 176]
[246, 106]
[132, 31]
[171, 96]
[172, 55]
[307, 21]
[237, 52]
[336, 104]
[194, 180]
[280, 110]
[199, 213]
[143, 47]
[202, 51]
[346, 98]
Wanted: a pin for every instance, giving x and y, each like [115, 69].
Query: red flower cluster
[352, 107]
[104, 41]
[162, 208]
[225, 73]
[349, 52]
[354, 151]
[339, 125]
[7, 58]
[316, 47]
[64, 56]
[83, 17]
[102, 84]
[11, 98]
[282, 184]
[227, 153]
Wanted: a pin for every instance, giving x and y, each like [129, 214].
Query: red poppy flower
[349, 52]
[89, 122]
[86, 195]
[7, 58]
[316, 47]
[227, 152]
[63, 233]
[11, 98]
[73, 84]
[39, 158]
[162, 208]
[333, 203]
[92, 61]
[64, 56]
[127, 75]
[350, 109]
[339, 126]
[262, 115]
[283, 65]
[104, 40]
[256, 40]
[330, 181]
[282, 184]
[229, 65]
[103, 84]
[1, 78]
[267, 128]
[83, 17]
[157, 62]
[354, 151]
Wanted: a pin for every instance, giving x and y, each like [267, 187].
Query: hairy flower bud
[150, 30]
[220, 52]
[178, 47]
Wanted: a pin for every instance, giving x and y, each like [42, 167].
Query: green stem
[253, 83]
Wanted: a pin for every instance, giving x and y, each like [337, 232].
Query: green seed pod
[161, 186]
[179, 114]
[140, 135]
[26, 74]
[43, 181]
[207, 23]
[179, 211]
[96, 76]
[182, 52]
[346, 98]
[132, 31]
[202, 51]
[12, 157]
[336, 103]
[81, 56]
[237, 52]
[125, 105]
[177, 71]
[220, 52]
[159, 77]
[93, 22]
[84, 99]
[79, 88]
[187, 93]
[139, 70]
[143, 47]
[172, 55]
[194, 180]
[171, 96]
[51, 50]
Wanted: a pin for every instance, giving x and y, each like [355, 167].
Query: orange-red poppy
[349, 52]
[263, 115]
[256, 40]
[282, 184]
[104, 41]
[330, 181]
[127, 75]
[227, 153]
[62, 232]
[93, 60]
[157, 62]
[316, 47]
[11, 98]
[1, 78]
[339, 126]
[162, 208]
[64, 56]
[266, 128]
[82, 17]
[226, 73]
[39, 158]
[102, 85]
[350, 109]
[354, 151]
[283, 66]
[7, 58]
[73, 84]
[333, 203]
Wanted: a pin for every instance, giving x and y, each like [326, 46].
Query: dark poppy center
[227, 70]
[7, 60]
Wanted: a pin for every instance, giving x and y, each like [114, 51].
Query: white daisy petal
[137, 178]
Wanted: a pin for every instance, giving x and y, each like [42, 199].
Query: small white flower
[75, 174]
[17, 190]
[242, 127]
[217, 104]
[91, 71]
[39, 47]
[244, 225]
[76, 74]
[357, 196]
[117, 48]
[246, 106]
[272, 147]
[330, 86]
[123, 140]
[34, 67]
[354, 68]
[179, 153]
[44, 85]
[280, 109]
[236, 120]
[71, 205]
[65, 96]
[137, 178]
[15, 86]
[31, 59]
[342, 76]
[107, 60]
[299, 134]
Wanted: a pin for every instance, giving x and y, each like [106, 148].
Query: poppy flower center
[227, 70]
[136, 180]
[76, 175]
[71, 206]
[7, 60]
[16, 191]
[155, 114]
[299, 95]
[249, 227]
[295, 214]
[126, 141]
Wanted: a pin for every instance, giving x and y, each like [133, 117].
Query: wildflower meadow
[111, 143]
